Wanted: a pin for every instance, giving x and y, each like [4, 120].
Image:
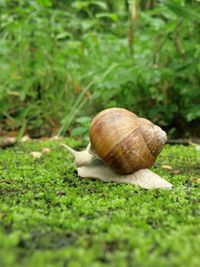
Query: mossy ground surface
[51, 217]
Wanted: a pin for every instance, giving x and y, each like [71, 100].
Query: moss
[51, 217]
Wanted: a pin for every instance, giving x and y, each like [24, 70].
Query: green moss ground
[51, 217]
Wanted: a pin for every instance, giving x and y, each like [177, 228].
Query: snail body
[125, 142]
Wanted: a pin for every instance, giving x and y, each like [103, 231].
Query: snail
[122, 148]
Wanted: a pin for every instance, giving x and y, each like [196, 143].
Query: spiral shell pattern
[124, 141]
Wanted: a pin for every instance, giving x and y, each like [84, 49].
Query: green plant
[50, 216]
[60, 61]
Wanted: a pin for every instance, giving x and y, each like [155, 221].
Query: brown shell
[124, 141]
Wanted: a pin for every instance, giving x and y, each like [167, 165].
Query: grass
[51, 217]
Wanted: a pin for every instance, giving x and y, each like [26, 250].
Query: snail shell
[125, 142]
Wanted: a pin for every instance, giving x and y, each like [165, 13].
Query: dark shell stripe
[101, 128]
[151, 139]
[125, 160]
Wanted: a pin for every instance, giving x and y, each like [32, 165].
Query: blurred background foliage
[63, 61]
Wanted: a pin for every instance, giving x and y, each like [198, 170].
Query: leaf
[176, 172]
[25, 138]
[46, 150]
[84, 120]
[195, 180]
[56, 138]
[78, 131]
[81, 4]
[100, 4]
[7, 141]
[45, 3]
[64, 35]
[182, 11]
[193, 113]
[110, 16]
[167, 167]
[36, 154]
[88, 23]
[197, 147]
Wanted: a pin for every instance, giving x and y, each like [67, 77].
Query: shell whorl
[153, 135]
[124, 141]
